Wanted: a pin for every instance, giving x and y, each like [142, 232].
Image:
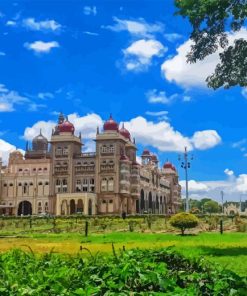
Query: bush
[184, 221]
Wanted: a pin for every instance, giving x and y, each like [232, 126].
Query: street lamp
[185, 164]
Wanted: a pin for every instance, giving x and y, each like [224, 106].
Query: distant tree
[212, 20]
[184, 221]
[211, 206]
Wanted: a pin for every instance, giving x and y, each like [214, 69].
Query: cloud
[47, 25]
[2, 54]
[177, 70]
[206, 139]
[33, 107]
[41, 47]
[154, 96]
[172, 37]
[194, 186]
[87, 125]
[10, 98]
[11, 23]
[139, 55]
[160, 135]
[244, 92]
[239, 144]
[232, 187]
[45, 95]
[228, 172]
[90, 33]
[164, 137]
[5, 149]
[90, 10]
[161, 115]
[137, 28]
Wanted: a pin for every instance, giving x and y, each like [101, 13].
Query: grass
[229, 249]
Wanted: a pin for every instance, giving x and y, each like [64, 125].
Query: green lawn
[229, 249]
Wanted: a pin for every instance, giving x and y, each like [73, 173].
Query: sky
[88, 59]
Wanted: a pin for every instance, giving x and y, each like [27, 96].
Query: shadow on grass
[236, 251]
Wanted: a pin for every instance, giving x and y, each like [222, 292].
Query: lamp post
[185, 164]
[222, 201]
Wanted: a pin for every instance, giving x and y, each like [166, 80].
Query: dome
[124, 132]
[154, 158]
[146, 152]
[173, 168]
[40, 142]
[168, 165]
[66, 127]
[110, 125]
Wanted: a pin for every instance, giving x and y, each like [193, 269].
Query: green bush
[184, 221]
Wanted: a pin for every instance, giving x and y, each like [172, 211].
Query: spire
[40, 132]
[134, 140]
[80, 135]
[27, 148]
[60, 118]
[97, 130]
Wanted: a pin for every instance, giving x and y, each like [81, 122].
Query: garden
[139, 255]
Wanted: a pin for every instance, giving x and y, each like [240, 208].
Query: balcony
[107, 168]
[82, 169]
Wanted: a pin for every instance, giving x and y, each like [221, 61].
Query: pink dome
[125, 133]
[168, 165]
[110, 125]
[146, 152]
[66, 127]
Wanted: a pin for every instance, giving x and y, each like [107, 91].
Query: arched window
[5, 185]
[104, 184]
[58, 182]
[30, 184]
[40, 183]
[46, 183]
[11, 184]
[110, 184]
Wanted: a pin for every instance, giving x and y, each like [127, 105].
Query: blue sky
[92, 58]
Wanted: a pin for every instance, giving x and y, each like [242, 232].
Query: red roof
[66, 127]
[168, 165]
[146, 152]
[110, 125]
[125, 133]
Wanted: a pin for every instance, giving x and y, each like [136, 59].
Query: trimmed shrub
[184, 221]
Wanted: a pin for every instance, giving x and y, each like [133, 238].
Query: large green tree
[212, 22]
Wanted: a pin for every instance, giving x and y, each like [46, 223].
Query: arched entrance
[142, 201]
[150, 203]
[25, 208]
[64, 207]
[72, 206]
[80, 207]
[90, 207]
[137, 206]
[157, 205]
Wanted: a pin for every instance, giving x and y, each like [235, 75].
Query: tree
[184, 221]
[212, 21]
[211, 206]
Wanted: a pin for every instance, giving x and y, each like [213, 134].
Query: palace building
[58, 178]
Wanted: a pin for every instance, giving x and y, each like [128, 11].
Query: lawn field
[229, 250]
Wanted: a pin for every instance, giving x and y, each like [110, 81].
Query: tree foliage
[184, 221]
[212, 22]
[211, 206]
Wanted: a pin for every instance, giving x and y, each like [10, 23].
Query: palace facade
[57, 177]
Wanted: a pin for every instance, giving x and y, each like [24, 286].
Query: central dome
[66, 127]
[40, 142]
[110, 125]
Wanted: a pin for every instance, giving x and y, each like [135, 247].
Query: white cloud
[154, 96]
[90, 10]
[176, 69]
[161, 115]
[138, 28]
[10, 98]
[186, 98]
[45, 95]
[47, 25]
[41, 47]
[2, 54]
[139, 55]
[87, 125]
[162, 136]
[172, 37]
[5, 149]
[244, 92]
[229, 172]
[90, 33]
[11, 23]
[194, 186]
[33, 107]
[205, 139]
